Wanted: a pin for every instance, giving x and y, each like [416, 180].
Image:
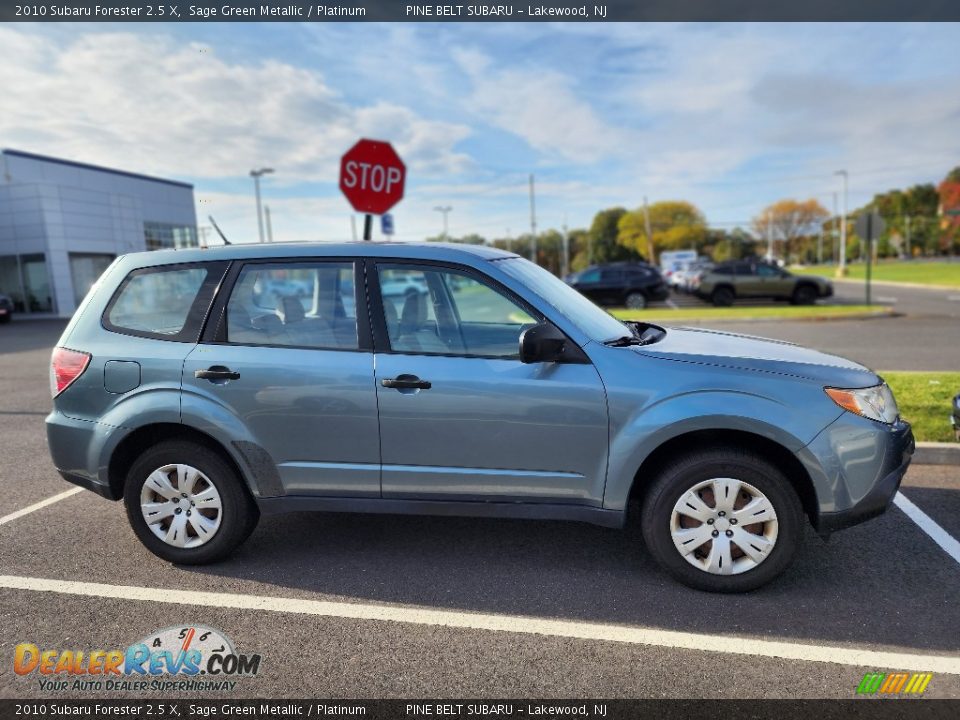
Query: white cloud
[153, 104]
[540, 106]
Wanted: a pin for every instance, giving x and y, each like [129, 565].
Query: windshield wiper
[642, 334]
[624, 341]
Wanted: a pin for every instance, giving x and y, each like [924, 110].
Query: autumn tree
[949, 191]
[795, 223]
[674, 224]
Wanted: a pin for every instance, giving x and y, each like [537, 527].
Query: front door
[461, 418]
[289, 368]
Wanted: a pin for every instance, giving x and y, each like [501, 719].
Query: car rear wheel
[636, 301]
[805, 295]
[186, 504]
[722, 297]
[722, 520]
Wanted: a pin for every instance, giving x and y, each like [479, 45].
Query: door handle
[217, 372]
[406, 382]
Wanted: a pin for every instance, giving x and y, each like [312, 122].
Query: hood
[747, 352]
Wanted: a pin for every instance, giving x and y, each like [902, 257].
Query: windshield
[592, 321]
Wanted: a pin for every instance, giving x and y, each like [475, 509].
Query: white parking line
[953, 298]
[38, 506]
[499, 623]
[882, 299]
[940, 536]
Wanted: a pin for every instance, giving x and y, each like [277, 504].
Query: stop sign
[372, 176]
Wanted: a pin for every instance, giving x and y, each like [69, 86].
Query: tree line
[922, 220]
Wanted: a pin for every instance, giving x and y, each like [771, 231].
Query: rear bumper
[75, 448]
[855, 499]
[658, 292]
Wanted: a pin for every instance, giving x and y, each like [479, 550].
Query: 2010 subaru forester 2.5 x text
[205, 387]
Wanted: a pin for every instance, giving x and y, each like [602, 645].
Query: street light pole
[445, 209]
[842, 266]
[256, 175]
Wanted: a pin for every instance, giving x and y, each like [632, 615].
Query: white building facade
[62, 223]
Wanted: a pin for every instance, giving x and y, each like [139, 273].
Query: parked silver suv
[194, 386]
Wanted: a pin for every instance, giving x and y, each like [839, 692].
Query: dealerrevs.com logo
[178, 658]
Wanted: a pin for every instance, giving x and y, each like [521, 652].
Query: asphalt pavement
[924, 334]
[344, 606]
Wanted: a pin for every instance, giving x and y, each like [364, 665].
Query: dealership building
[62, 223]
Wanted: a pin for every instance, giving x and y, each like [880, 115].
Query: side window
[156, 301]
[611, 276]
[310, 305]
[590, 276]
[742, 269]
[446, 312]
[767, 271]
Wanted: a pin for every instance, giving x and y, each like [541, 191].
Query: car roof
[253, 251]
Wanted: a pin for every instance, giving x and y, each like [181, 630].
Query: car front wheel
[636, 301]
[722, 520]
[187, 505]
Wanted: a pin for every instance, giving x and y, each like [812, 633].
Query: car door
[290, 362]
[461, 418]
[769, 281]
[588, 283]
[748, 283]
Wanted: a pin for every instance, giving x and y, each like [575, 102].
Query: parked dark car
[626, 284]
[6, 308]
[737, 279]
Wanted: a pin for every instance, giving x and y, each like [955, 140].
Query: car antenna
[219, 231]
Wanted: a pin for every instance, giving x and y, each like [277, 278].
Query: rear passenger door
[287, 359]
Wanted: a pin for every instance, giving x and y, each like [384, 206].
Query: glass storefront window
[10, 281]
[36, 283]
[159, 236]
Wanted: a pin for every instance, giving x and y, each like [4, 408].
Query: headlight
[876, 403]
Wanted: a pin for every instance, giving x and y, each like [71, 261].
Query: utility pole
[266, 210]
[353, 226]
[533, 223]
[836, 232]
[820, 246]
[256, 175]
[646, 224]
[907, 222]
[565, 261]
[842, 266]
[444, 210]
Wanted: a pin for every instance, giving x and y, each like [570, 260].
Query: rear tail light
[65, 367]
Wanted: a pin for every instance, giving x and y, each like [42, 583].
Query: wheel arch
[761, 445]
[136, 442]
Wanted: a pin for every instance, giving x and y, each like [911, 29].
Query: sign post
[869, 227]
[372, 177]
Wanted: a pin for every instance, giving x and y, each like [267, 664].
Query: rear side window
[165, 302]
[297, 304]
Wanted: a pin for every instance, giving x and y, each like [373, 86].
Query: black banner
[432, 709]
[412, 11]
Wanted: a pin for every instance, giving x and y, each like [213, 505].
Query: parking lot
[344, 606]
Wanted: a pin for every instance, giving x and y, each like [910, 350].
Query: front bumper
[861, 464]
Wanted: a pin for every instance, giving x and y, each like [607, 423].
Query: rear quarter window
[165, 302]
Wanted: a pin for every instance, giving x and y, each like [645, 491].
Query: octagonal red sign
[372, 176]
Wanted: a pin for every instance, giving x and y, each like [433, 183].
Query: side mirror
[541, 343]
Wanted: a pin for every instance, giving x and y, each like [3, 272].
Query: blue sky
[730, 117]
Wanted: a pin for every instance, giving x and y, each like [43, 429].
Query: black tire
[239, 513]
[804, 295]
[4, 319]
[723, 296]
[721, 462]
[635, 300]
